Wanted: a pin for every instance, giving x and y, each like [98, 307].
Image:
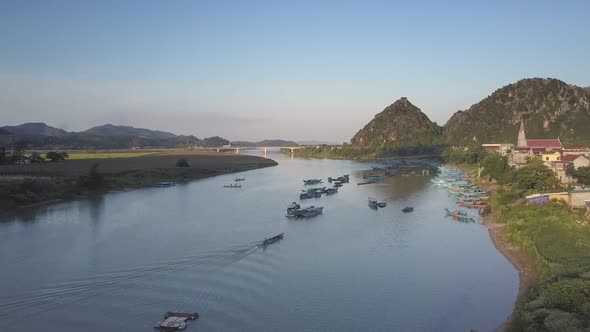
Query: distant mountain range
[268, 142]
[42, 136]
[550, 108]
[111, 130]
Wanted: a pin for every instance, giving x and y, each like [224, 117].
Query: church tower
[521, 136]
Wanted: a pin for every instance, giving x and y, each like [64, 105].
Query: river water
[118, 262]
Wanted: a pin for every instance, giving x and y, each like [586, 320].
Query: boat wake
[84, 289]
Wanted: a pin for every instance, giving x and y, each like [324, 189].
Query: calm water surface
[117, 263]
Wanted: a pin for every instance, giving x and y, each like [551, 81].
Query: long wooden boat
[474, 206]
[273, 239]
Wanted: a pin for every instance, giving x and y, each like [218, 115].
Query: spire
[521, 136]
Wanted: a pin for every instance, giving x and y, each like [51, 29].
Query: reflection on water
[118, 262]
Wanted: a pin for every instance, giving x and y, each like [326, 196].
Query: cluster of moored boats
[468, 195]
[295, 210]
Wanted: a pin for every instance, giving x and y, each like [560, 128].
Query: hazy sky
[270, 69]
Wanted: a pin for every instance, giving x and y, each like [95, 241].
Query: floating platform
[175, 321]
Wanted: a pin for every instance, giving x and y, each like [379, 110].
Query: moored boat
[407, 209]
[309, 211]
[240, 179]
[165, 184]
[312, 181]
[330, 191]
[233, 186]
[459, 214]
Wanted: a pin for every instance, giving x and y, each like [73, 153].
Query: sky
[253, 70]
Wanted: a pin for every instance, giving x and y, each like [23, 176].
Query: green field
[109, 155]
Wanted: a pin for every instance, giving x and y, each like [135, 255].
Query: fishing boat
[232, 186]
[312, 181]
[473, 206]
[367, 182]
[175, 321]
[337, 185]
[273, 239]
[373, 202]
[381, 204]
[375, 177]
[407, 209]
[459, 214]
[472, 200]
[310, 211]
[331, 191]
[240, 179]
[165, 184]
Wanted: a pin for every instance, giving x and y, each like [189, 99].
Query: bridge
[265, 148]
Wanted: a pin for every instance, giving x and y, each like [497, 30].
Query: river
[118, 262]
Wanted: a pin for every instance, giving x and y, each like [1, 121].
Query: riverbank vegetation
[347, 151]
[556, 239]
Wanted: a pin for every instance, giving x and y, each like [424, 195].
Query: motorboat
[408, 209]
[273, 239]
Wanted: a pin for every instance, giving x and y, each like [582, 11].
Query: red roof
[583, 148]
[570, 157]
[543, 143]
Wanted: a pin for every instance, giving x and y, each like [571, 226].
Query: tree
[582, 174]
[18, 153]
[496, 167]
[534, 177]
[3, 156]
[54, 156]
[182, 163]
[36, 157]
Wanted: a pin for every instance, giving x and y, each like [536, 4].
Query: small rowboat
[460, 215]
[474, 206]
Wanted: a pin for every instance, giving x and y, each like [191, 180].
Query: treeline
[348, 151]
[18, 156]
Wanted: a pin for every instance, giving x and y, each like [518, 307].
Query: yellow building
[550, 156]
[565, 197]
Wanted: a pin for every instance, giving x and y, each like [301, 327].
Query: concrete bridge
[264, 148]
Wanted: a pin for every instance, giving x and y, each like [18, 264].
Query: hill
[35, 129]
[399, 124]
[550, 108]
[112, 130]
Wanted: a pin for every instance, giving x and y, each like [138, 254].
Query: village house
[576, 150]
[550, 156]
[502, 149]
[576, 160]
[560, 170]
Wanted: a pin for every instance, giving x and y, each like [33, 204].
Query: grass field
[47, 181]
[109, 155]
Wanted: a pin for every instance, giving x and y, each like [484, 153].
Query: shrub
[182, 163]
